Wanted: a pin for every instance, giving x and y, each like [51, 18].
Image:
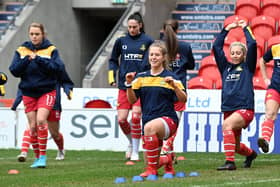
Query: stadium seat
[228, 40]
[269, 69]
[200, 83]
[263, 26]
[218, 84]
[248, 8]
[260, 45]
[259, 83]
[236, 32]
[6, 102]
[271, 8]
[97, 103]
[209, 69]
[273, 40]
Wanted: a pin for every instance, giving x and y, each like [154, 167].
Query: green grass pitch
[101, 168]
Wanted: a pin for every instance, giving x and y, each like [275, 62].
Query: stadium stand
[218, 84]
[269, 69]
[97, 103]
[271, 8]
[273, 40]
[248, 8]
[264, 26]
[258, 83]
[260, 45]
[209, 69]
[199, 23]
[200, 83]
[237, 32]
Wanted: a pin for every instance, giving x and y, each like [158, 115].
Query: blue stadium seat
[14, 6]
[7, 15]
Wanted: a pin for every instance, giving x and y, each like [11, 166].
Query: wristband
[127, 85]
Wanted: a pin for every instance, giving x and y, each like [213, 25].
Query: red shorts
[45, 101]
[272, 94]
[123, 102]
[179, 106]
[247, 115]
[54, 115]
[170, 126]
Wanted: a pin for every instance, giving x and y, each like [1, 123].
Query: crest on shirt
[239, 68]
[143, 47]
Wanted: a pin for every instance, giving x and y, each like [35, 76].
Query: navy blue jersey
[184, 61]
[64, 81]
[237, 89]
[156, 96]
[37, 76]
[274, 54]
[128, 55]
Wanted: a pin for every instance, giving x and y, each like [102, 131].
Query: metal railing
[106, 42]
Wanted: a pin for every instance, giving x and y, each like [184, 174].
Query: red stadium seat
[269, 69]
[200, 83]
[218, 84]
[263, 26]
[228, 40]
[6, 102]
[97, 103]
[248, 8]
[260, 45]
[209, 69]
[271, 8]
[237, 32]
[273, 40]
[259, 83]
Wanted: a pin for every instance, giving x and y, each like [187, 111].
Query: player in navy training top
[66, 83]
[37, 62]
[128, 54]
[157, 89]
[272, 97]
[237, 92]
[180, 60]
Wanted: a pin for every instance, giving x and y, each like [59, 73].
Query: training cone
[152, 178]
[119, 180]
[168, 176]
[181, 158]
[194, 174]
[13, 171]
[129, 163]
[180, 174]
[137, 179]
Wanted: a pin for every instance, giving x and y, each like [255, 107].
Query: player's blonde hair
[242, 46]
[160, 44]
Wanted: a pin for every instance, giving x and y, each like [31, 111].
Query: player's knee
[136, 118]
[270, 115]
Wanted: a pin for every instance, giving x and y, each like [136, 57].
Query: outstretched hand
[170, 81]
[129, 77]
[240, 23]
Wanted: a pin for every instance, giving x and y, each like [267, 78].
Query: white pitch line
[239, 183]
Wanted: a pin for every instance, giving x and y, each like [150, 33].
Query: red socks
[125, 126]
[244, 150]
[229, 144]
[152, 148]
[42, 138]
[26, 140]
[267, 129]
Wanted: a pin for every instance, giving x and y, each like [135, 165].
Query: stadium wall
[97, 129]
